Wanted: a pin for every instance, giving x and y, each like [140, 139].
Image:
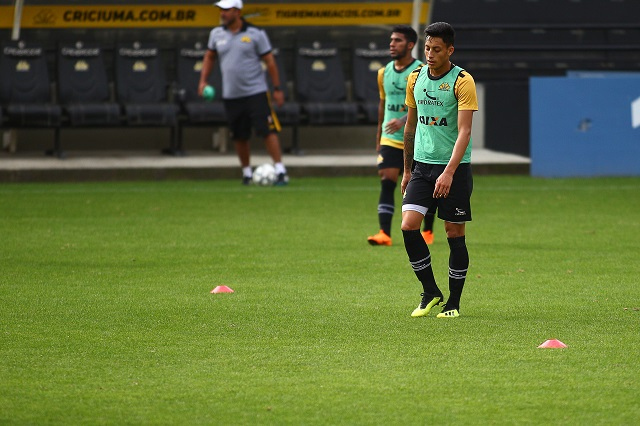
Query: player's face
[398, 46]
[437, 54]
[229, 16]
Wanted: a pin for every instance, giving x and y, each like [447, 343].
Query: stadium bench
[25, 87]
[142, 89]
[83, 88]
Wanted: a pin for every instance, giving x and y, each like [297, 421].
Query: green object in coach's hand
[208, 93]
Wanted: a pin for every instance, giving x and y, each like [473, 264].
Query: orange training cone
[552, 344]
[222, 289]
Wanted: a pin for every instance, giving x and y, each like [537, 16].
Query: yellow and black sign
[103, 16]
[301, 14]
[186, 15]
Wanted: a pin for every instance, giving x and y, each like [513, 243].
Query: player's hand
[443, 185]
[393, 126]
[278, 97]
[201, 87]
[406, 177]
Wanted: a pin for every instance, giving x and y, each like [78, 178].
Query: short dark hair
[409, 33]
[442, 30]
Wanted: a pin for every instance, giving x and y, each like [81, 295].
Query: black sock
[428, 222]
[420, 259]
[386, 204]
[458, 266]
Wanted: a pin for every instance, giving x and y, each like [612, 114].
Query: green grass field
[106, 315]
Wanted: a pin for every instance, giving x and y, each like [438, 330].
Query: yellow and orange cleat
[380, 239]
[448, 313]
[426, 304]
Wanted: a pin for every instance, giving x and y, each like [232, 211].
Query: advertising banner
[198, 15]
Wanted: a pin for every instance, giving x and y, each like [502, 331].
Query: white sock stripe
[426, 259]
[458, 274]
[386, 208]
[421, 264]
[421, 268]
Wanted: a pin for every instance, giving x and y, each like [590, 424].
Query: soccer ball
[264, 175]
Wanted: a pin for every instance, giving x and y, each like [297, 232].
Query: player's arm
[443, 183]
[380, 120]
[208, 61]
[409, 129]
[395, 124]
[381, 106]
[467, 104]
[465, 119]
[409, 143]
[274, 75]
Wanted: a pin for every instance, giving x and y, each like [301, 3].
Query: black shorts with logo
[390, 158]
[456, 207]
[251, 111]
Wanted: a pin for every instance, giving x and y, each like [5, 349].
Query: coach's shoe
[380, 239]
[428, 301]
[246, 180]
[281, 180]
[428, 237]
[448, 313]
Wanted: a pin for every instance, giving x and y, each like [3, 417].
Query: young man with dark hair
[441, 99]
[392, 114]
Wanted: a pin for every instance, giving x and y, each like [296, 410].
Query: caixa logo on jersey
[432, 121]
[397, 108]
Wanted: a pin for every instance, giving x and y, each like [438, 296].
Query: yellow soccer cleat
[428, 237]
[448, 313]
[380, 239]
[425, 305]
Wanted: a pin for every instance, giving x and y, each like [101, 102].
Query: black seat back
[82, 76]
[140, 74]
[289, 112]
[278, 56]
[368, 58]
[189, 60]
[24, 77]
[319, 74]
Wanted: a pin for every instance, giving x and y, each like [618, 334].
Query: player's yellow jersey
[392, 84]
[437, 102]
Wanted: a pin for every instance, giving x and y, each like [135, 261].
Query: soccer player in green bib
[441, 98]
[392, 114]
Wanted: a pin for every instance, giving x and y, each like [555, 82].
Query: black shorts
[251, 111]
[455, 208]
[390, 158]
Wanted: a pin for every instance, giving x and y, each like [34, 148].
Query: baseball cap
[228, 4]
